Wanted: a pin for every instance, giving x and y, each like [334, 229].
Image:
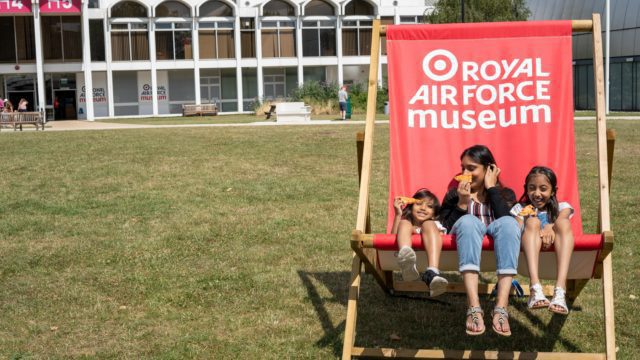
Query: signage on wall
[145, 95]
[15, 6]
[60, 6]
[99, 95]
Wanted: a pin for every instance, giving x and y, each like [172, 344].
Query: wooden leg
[352, 308]
[609, 324]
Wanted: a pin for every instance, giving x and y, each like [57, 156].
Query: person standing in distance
[342, 101]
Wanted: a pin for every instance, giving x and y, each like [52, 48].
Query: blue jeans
[469, 231]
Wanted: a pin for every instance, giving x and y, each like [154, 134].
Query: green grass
[232, 243]
[612, 114]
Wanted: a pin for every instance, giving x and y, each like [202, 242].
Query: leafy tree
[449, 11]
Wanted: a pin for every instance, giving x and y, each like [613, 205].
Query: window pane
[207, 43]
[269, 43]
[225, 25]
[310, 46]
[358, 7]
[163, 26]
[120, 46]
[215, 8]
[309, 24]
[139, 26]
[25, 38]
[226, 48]
[207, 25]
[8, 53]
[365, 41]
[278, 8]
[246, 24]
[350, 42]
[269, 24]
[119, 27]
[72, 38]
[287, 24]
[172, 9]
[128, 9]
[627, 86]
[287, 43]
[96, 36]
[615, 98]
[318, 7]
[164, 45]
[94, 4]
[139, 46]
[183, 45]
[204, 92]
[327, 42]
[52, 38]
[248, 44]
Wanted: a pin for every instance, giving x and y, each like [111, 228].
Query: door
[66, 105]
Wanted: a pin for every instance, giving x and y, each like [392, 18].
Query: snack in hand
[527, 211]
[463, 177]
[410, 200]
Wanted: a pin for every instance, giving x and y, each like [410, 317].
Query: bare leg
[531, 243]
[470, 279]
[502, 300]
[564, 248]
[406, 255]
[432, 242]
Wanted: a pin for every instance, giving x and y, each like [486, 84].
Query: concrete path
[76, 125]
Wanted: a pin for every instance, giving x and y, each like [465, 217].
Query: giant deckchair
[429, 66]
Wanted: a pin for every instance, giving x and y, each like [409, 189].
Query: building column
[86, 55]
[237, 34]
[299, 49]
[339, 50]
[195, 46]
[154, 75]
[259, 73]
[42, 102]
[107, 45]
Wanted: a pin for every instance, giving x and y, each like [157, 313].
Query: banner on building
[504, 85]
[15, 6]
[60, 6]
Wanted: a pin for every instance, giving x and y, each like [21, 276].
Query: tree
[450, 11]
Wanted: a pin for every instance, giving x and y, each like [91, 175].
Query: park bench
[17, 119]
[202, 109]
[292, 112]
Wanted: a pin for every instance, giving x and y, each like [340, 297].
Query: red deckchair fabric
[505, 85]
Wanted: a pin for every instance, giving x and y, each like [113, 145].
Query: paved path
[74, 125]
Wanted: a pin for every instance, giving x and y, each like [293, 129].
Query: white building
[189, 51]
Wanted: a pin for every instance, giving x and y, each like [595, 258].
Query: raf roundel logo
[146, 87]
[440, 65]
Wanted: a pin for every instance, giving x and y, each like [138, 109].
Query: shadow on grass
[419, 322]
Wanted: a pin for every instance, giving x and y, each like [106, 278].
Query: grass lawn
[232, 243]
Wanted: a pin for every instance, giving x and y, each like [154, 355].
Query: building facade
[90, 59]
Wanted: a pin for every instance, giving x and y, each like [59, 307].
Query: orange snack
[463, 177]
[408, 200]
[527, 211]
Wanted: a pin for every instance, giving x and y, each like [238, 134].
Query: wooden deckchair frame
[362, 239]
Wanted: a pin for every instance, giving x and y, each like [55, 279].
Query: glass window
[60, 38]
[173, 41]
[8, 53]
[216, 40]
[358, 7]
[278, 39]
[128, 9]
[247, 38]
[94, 4]
[627, 86]
[318, 8]
[71, 38]
[615, 86]
[319, 38]
[96, 35]
[25, 38]
[278, 8]
[52, 38]
[215, 9]
[172, 9]
[385, 20]
[356, 38]
[129, 42]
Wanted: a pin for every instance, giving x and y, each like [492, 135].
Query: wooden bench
[293, 112]
[203, 109]
[17, 119]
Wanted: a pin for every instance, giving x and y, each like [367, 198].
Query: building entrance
[64, 105]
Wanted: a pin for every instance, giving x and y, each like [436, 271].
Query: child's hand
[548, 236]
[397, 205]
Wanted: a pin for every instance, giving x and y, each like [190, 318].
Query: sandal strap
[559, 298]
[536, 295]
[500, 311]
[473, 310]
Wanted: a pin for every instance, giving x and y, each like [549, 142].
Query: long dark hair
[552, 205]
[422, 194]
[482, 155]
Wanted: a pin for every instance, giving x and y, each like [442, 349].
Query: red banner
[60, 6]
[15, 6]
[504, 85]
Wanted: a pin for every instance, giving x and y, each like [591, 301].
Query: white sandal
[559, 300]
[537, 300]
